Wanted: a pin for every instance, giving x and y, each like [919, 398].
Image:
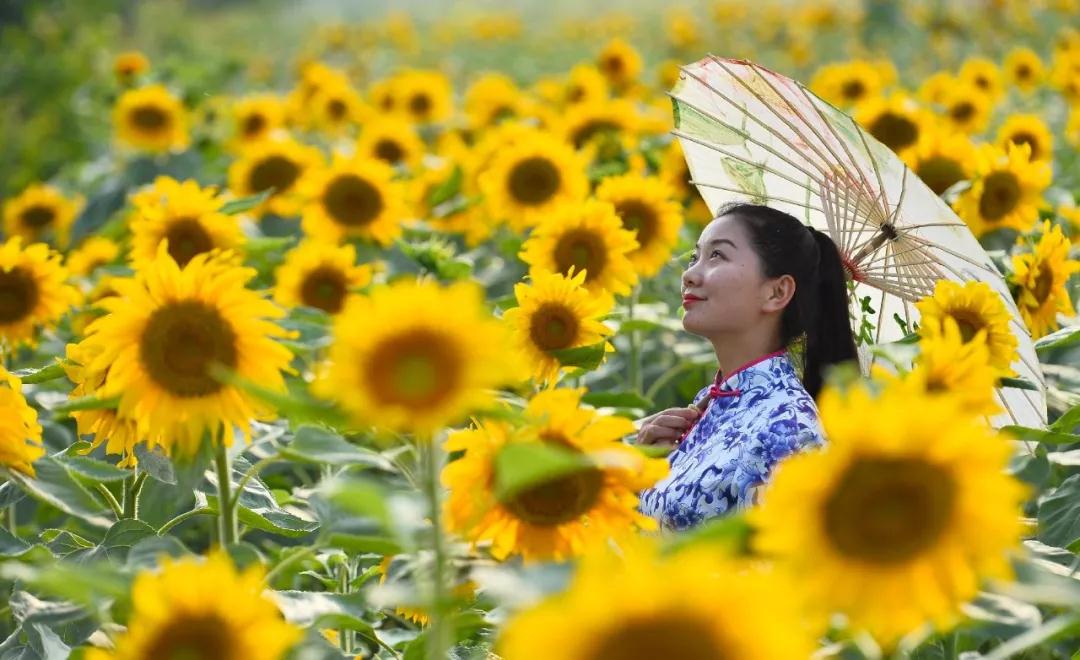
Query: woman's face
[724, 290]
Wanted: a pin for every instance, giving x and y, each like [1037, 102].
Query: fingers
[666, 426]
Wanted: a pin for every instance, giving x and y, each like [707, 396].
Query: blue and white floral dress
[759, 414]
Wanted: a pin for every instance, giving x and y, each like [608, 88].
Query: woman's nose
[689, 278]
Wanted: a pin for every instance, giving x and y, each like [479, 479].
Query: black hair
[818, 312]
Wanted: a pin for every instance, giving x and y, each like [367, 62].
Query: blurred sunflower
[555, 312]
[277, 164]
[20, 433]
[585, 237]
[619, 63]
[557, 518]
[33, 291]
[105, 425]
[166, 330]
[319, 275]
[667, 73]
[256, 118]
[526, 181]
[151, 118]
[682, 28]
[129, 65]
[584, 123]
[353, 198]
[337, 109]
[392, 140]
[966, 108]
[423, 96]
[1024, 69]
[314, 76]
[93, 252]
[976, 309]
[934, 89]
[41, 212]
[1040, 278]
[638, 604]
[896, 121]
[1006, 191]
[984, 75]
[1065, 75]
[491, 98]
[584, 84]
[184, 215]
[942, 158]
[414, 356]
[202, 608]
[646, 207]
[675, 173]
[1027, 129]
[895, 504]
[846, 84]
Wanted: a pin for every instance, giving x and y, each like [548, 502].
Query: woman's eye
[716, 253]
[693, 258]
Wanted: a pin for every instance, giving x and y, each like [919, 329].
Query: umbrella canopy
[750, 134]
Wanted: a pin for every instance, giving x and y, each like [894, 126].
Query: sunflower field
[325, 327]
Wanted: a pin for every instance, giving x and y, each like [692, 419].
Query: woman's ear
[779, 293]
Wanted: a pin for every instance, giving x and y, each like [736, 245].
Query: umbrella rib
[906, 228]
[881, 306]
[877, 173]
[771, 197]
[897, 252]
[743, 159]
[938, 246]
[897, 286]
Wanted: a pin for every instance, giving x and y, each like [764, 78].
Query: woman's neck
[734, 352]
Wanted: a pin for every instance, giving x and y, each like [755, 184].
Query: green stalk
[344, 634]
[634, 373]
[438, 634]
[133, 486]
[226, 511]
[11, 523]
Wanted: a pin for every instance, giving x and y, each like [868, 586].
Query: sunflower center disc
[389, 150]
[187, 238]
[420, 104]
[325, 289]
[558, 500]
[968, 323]
[254, 124]
[553, 327]
[1001, 192]
[417, 369]
[193, 637]
[583, 250]
[336, 109]
[889, 510]
[277, 172]
[352, 201]
[853, 90]
[662, 635]
[1044, 283]
[533, 181]
[1028, 139]
[962, 111]
[894, 131]
[939, 173]
[37, 217]
[180, 343]
[591, 129]
[638, 217]
[18, 294]
[149, 118]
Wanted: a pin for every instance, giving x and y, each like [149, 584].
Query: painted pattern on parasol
[750, 134]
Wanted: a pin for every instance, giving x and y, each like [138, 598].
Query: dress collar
[737, 379]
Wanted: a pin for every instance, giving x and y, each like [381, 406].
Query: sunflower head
[895, 121]
[93, 252]
[491, 98]
[1040, 278]
[979, 315]
[966, 108]
[942, 158]
[319, 275]
[353, 197]
[20, 433]
[984, 75]
[846, 84]
[130, 65]
[619, 63]
[256, 118]
[277, 164]
[105, 426]
[151, 118]
[1024, 69]
[40, 213]
[337, 108]
[1027, 129]
[935, 88]
[1006, 190]
[421, 96]
[950, 366]
[34, 293]
[646, 206]
[584, 124]
[392, 140]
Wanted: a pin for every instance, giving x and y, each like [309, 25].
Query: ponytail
[818, 312]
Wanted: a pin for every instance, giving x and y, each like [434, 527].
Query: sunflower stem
[948, 646]
[438, 642]
[110, 499]
[634, 373]
[227, 517]
[344, 634]
[12, 525]
[133, 486]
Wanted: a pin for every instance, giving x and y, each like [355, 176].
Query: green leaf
[297, 407]
[42, 375]
[360, 544]
[313, 444]
[126, 533]
[11, 545]
[357, 496]
[447, 189]
[1018, 383]
[96, 584]
[733, 532]
[1068, 336]
[246, 203]
[523, 465]
[586, 358]
[307, 608]
[64, 542]
[265, 245]
[86, 403]
[93, 470]
[155, 463]
[274, 520]
[1068, 422]
[55, 485]
[1040, 435]
[147, 552]
[1059, 514]
[616, 400]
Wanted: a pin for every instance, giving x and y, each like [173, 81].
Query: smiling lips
[688, 300]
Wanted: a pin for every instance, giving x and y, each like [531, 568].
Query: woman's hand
[666, 426]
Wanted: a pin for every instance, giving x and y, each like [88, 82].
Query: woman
[758, 281]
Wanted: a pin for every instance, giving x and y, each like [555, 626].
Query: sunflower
[966, 108]
[319, 275]
[194, 608]
[683, 29]
[1027, 129]
[526, 181]
[491, 98]
[896, 121]
[184, 215]
[942, 158]
[555, 519]
[33, 292]
[979, 313]
[414, 356]
[314, 76]
[584, 84]
[423, 96]
[585, 123]
[392, 140]
[165, 332]
[93, 252]
[20, 433]
[41, 212]
[336, 109]
[935, 88]
[256, 118]
[984, 75]
[1006, 191]
[1040, 278]
[1024, 69]
[556, 312]
[119, 434]
[846, 84]
[638, 605]
[586, 237]
[354, 197]
[129, 65]
[645, 206]
[619, 63]
[277, 164]
[151, 118]
[895, 504]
